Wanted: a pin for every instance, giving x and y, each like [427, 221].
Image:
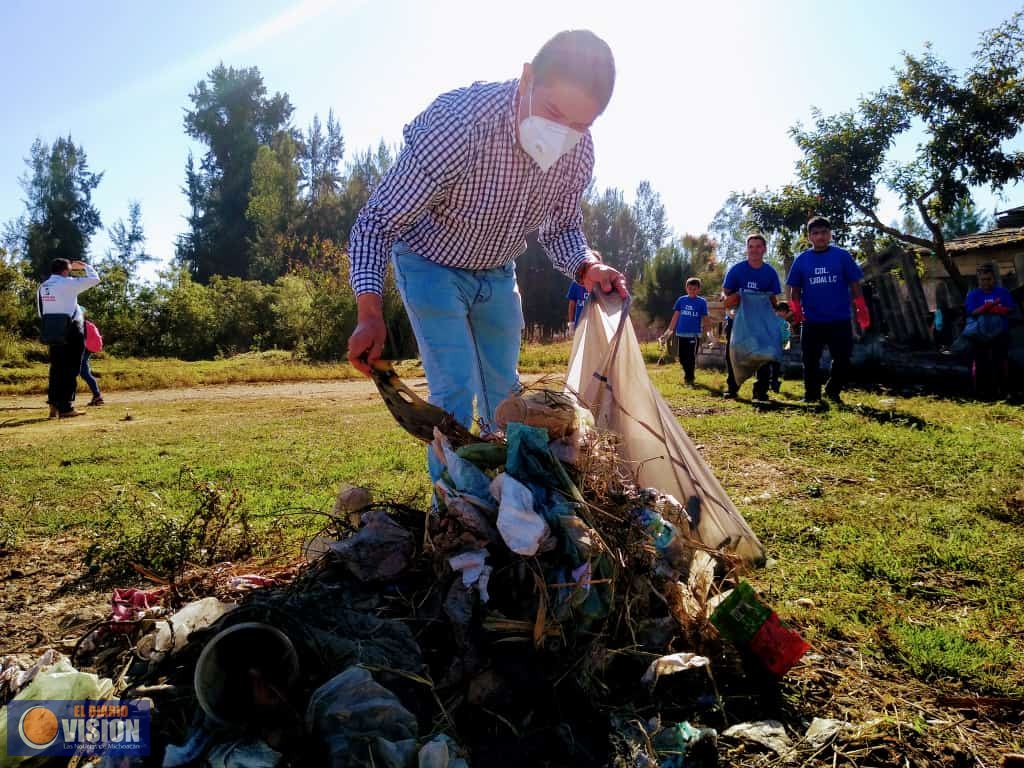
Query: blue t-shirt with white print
[743, 278]
[824, 278]
[690, 312]
[578, 294]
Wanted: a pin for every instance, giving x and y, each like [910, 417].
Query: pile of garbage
[552, 607]
[544, 612]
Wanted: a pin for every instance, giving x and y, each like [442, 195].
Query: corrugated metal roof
[994, 238]
[1011, 217]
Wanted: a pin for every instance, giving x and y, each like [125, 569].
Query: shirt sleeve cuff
[367, 282]
[578, 260]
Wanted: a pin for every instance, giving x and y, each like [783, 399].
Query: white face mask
[545, 140]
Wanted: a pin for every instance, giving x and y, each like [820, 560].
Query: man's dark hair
[757, 236]
[693, 281]
[783, 305]
[580, 57]
[818, 222]
[59, 266]
[986, 269]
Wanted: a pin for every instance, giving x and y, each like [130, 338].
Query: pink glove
[860, 309]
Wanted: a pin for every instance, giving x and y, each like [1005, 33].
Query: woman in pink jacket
[93, 343]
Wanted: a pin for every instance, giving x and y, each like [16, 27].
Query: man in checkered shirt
[480, 168]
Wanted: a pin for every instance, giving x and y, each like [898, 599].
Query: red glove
[860, 310]
[797, 310]
[999, 309]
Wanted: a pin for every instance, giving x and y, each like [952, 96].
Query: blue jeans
[468, 325]
[86, 373]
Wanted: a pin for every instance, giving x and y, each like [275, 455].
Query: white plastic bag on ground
[607, 370]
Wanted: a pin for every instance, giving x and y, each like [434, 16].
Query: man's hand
[366, 343]
[731, 300]
[605, 277]
[76, 264]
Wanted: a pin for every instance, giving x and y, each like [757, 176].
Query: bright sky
[704, 97]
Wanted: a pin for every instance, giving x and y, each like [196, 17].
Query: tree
[730, 227]
[964, 219]
[233, 116]
[60, 218]
[129, 242]
[611, 228]
[321, 158]
[273, 204]
[364, 172]
[967, 122]
[651, 221]
[782, 216]
[662, 282]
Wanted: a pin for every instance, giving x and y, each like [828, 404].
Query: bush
[243, 314]
[185, 319]
[18, 314]
[139, 531]
[310, 311]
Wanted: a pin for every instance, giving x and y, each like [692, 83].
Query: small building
[1002, 248]
[907, 301]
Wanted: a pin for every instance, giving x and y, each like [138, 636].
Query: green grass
[900, 518]
[117, 374]
[25, 371]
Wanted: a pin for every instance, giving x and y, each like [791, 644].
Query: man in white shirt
[62, 323]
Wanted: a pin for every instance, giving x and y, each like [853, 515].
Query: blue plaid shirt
[463, 193]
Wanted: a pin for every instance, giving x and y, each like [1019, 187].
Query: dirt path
[352, 390]
[349, 390]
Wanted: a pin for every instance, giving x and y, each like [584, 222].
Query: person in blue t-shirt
[821, 283]
[750, 276]
[990, 358]
[689, 322]
[577, 297]
[781, 312]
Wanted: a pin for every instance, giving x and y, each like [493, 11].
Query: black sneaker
[731, 394]
[776, 387]
[834, 397]
[689, 382]
[760, 396]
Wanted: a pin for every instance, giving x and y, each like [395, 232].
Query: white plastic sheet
[519, 525]
[607, 370]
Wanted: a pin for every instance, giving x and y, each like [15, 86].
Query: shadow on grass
[12, 423]
[786, 407]
[886, 416]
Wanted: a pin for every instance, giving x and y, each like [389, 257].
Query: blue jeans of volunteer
[468, 325]
[86, 373]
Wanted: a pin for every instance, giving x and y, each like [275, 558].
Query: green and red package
[777, 646]
[745, 620]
